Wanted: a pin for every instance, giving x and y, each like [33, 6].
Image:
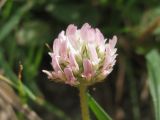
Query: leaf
[14, 20]
[14, 83]
[149, 23]
[97, 110]
[7, 8]
[153, 65]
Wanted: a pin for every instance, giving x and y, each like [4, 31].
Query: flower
[82, 55]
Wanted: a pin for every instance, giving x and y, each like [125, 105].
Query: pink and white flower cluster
[82, 55]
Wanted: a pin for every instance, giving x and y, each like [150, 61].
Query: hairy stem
[83, 102]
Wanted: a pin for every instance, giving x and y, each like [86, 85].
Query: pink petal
[109, 61]
[93, 53]
[88, 33]
[54, 75]
[63, 49]
[91, 35]
[88, 71]
[113, 41]
[59, 75]
[56, 46]
[106, 72]
[99, 37]
[71, 30]
[71, 34]
[73, 62]
[69, 75]
[85, 26]
[48, 73]
[55, 63]
[106, 63]
[84, 31]
[62, 35]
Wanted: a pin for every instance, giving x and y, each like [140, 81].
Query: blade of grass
[37, 100]
[14, 20]
[153, 65]
[7, 9]
[97, 109]
[14, 82]
[34, 64]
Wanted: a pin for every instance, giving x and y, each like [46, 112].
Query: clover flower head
[82, 55]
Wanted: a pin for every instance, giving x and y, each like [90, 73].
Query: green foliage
[153, 65]
[25, 27]
[97, 110]
[13, 21]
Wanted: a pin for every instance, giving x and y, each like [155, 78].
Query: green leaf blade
[97, 109]
[153, 65]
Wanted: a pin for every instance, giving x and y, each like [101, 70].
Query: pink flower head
[82, 55]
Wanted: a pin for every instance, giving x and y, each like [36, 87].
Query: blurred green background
[27, 25]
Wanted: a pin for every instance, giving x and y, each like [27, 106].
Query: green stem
[83, 102]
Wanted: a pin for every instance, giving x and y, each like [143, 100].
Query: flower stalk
[83, 102]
